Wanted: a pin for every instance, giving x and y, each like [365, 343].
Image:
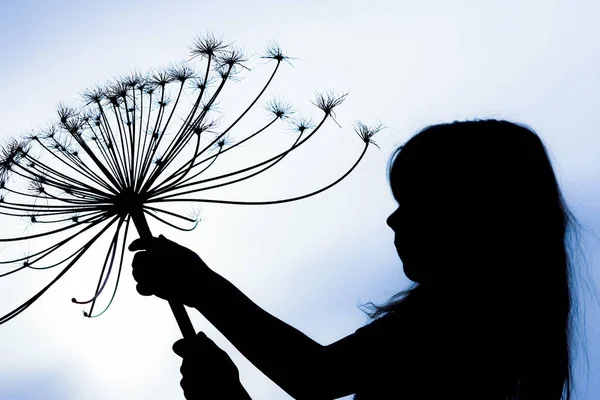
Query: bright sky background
[406, 63]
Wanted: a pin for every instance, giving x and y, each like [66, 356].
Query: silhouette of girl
[481, 229]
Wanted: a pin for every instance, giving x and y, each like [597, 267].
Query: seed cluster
[122, 151]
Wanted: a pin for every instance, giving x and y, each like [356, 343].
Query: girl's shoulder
[402, 320]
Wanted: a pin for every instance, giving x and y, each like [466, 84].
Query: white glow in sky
[406, 63]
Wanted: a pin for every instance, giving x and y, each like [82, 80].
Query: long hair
[493, 181]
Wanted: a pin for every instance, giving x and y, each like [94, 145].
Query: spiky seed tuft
[65, 113]
[207, 46]
[161, 78]
[328, 101]
[275, 52]
[280, 109]
[95, 95]
[133, 80]
[181, 72]
[302, 124]
[366, 132]
[232, 58]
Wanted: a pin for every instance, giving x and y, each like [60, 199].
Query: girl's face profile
[419, 227]
[394, 221]
[410, 242]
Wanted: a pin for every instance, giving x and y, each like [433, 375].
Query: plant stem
[183, 320]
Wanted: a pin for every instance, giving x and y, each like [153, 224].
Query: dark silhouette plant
[133, 146]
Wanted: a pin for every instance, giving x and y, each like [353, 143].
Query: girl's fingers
[138, 264]
[144, 290]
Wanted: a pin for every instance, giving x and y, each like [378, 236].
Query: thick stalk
[183, 320]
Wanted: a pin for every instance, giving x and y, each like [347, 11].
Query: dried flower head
[280, 109]
[366, 132]
[133, 147]
[275, 52]
[207, 46]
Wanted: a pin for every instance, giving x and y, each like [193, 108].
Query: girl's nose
[391, 220]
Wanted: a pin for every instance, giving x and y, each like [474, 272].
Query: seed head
[95, 95]
[200, 83]
[328, 101]
[50, 132]
[11, 155]
[161, 78]
[280, 109]
[232, 58]
[118, 90]
[133, 81]
[301, 124]
[275, 52]
[366, 132]
[75, 125]
[206, 126]
[208, 46]
[37, 187]
[181, 72]
[65, 113]
[140, 144]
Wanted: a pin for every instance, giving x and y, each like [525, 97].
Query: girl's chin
[410, 273]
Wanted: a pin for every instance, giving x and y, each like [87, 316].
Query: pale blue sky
[408, 64]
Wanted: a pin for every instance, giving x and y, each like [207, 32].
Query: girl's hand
[167, 270]
[207, 371]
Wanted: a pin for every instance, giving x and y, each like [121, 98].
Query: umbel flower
[133, 147]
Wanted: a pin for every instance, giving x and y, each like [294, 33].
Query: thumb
[141, 244]
[185, 347]
[181, 347]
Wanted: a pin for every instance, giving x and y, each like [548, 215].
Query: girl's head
[481, 214]
[472, 197]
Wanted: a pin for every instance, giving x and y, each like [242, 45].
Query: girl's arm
[288, 357]
[299, 365]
